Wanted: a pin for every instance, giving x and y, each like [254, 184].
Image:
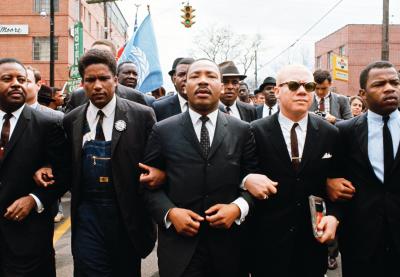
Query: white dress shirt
[301, 132]
[13, 122]
[375, 139]
[210, 125]
[234, 110]
[183, 104]
[108, 120]
[266, 108]
[327, 103]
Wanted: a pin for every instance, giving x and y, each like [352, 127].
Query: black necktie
[270, 111]
[228, 109]
[388, 156]
[322, 105]
[294, 145]
[204, 137]
[99, 127]
[5, 133]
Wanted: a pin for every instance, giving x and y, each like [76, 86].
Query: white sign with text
[14, 29]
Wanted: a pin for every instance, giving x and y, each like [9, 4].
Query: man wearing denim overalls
[111, 231]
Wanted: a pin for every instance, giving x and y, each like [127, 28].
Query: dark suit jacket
[247, 112]
[36, 140]
[339, 106]
[260, 110]
[127, 149]
[78, 97]
[281, 227]
[362, 225]
[196, 183]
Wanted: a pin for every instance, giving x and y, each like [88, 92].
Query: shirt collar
[195, 117]
[34, 105]
[182, 101]
[326, 97]
[16, 113]
[233, 105]
[107, 109]
[395, 115]
[288, 123]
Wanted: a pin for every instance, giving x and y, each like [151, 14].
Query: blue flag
[143, 52]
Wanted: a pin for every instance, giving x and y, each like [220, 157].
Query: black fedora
[172, 71]
[267, 81]
[229, 69]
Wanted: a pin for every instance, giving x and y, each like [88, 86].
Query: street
[64, 264]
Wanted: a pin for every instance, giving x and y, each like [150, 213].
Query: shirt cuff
[244, 209]
[167, 223]
[39, 205]
[243, 182]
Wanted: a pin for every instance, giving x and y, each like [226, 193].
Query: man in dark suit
[198, 209]
[111, 230]
[271, 104]
[229, 97]
[177, 103]
[335, 107]
[370, 167]
[29, 139]
[297, 159]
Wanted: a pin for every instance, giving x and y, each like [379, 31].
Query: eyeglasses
[293, 85]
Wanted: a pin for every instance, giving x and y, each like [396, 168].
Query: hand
[43, 177]
[339, 189]
[260, 186]
[330, 118]
[222, 215]
[185, 221]
[153, 178]
[327, 225]
[21, 207]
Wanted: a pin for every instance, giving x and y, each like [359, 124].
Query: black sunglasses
[293, 85]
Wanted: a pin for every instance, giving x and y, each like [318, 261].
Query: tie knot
[295, 125]
[7, 116]
[385, 118]
[100, 113]
[204, 118]
[228, 108]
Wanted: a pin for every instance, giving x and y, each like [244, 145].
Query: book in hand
[317, 211]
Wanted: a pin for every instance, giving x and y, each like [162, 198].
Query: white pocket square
[327, 156]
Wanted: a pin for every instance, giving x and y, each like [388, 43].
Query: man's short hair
[11, 60]
[96, 56]
[321, 75]
[243, 83]
[206, 59]
[121, 64]
[365, 72]
[185, 61]
[108, 43]
[36, 73]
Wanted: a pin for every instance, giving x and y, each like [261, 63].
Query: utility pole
[105, 20]
[255, 69]
[52, 43]
[385, 31]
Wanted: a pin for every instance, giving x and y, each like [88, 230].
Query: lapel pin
[120, 125]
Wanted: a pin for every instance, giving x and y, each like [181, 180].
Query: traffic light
[188, 16]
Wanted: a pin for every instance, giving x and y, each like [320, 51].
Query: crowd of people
[226, 177]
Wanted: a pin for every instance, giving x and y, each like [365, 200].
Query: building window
[44, 5]
[41, 48]
[318, 63]
[330, 57]
[342, 50]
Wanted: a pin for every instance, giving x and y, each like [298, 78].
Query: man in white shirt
[294, 149]
[199, 210]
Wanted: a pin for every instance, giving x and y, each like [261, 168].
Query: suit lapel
[241, 110]
[175, 105]
[278, 141]
[77, 132]
[19, 129]
[220, 132]
[333, 104]
[309, 144]
[120, 114]
[314, 105]
[189, 133]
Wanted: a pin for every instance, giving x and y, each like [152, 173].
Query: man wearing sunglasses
[332, 106]
[297, 160]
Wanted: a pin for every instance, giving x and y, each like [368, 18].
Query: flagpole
[148, 8]
[136, 26]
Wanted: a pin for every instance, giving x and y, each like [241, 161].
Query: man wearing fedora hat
[176, 104]
[231, 79]
[270, 105]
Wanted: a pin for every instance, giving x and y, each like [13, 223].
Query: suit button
[208, 164]
[298, 179]
[298, 204]
[206, 196]
[292, 229]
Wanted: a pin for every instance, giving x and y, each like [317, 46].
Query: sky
[279, 22]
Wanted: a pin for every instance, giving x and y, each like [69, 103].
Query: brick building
[24, 31]
[361, 44]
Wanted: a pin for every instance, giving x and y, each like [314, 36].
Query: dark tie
[270, 111]
[5, 133]
[228, 109]
[388, 156]
[99, 126]
[204, 137]
[294, 147]
[322, 105]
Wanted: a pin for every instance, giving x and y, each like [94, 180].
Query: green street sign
[78, 42]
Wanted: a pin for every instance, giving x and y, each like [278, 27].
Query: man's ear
[363, 93]
[276, 91]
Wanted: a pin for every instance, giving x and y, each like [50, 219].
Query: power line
[304, 34]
